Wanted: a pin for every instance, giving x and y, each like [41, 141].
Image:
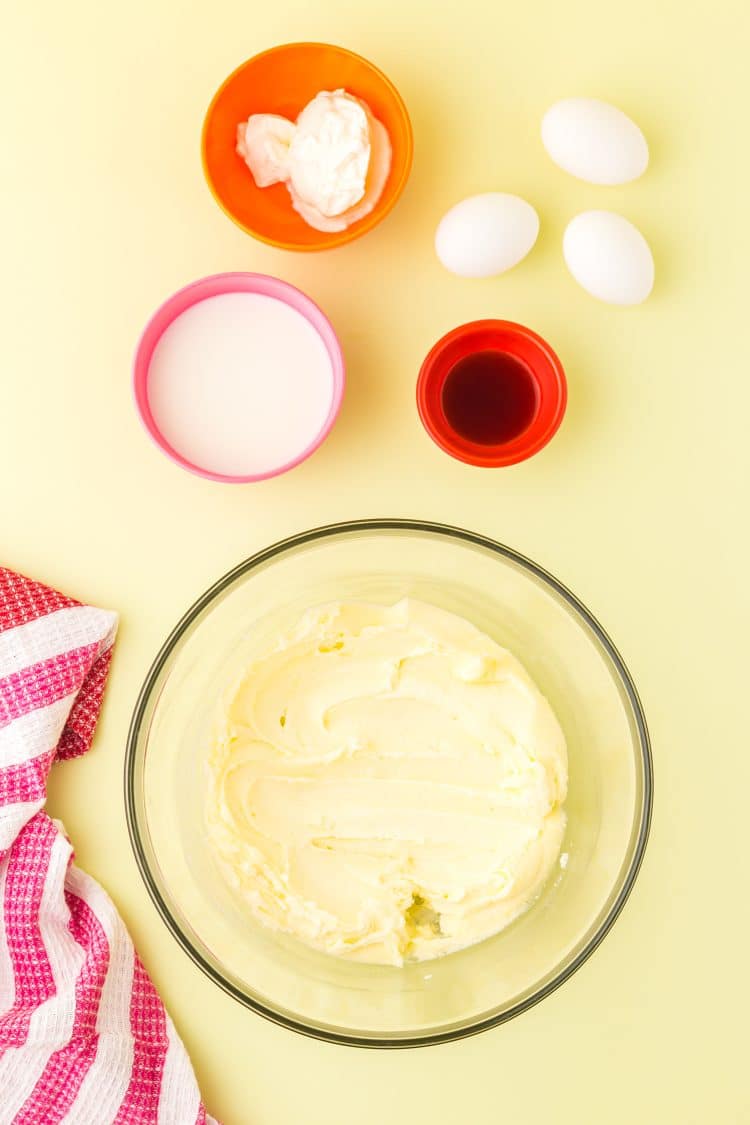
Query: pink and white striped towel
[84, 1037]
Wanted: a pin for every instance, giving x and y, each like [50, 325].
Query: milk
[240, 384]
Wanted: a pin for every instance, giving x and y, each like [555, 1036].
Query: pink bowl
[215, 286]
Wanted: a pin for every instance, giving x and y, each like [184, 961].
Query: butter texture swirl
[386, 783]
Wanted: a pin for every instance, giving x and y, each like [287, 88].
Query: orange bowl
[283, 80]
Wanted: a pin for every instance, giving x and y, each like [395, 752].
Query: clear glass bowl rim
[353, 527]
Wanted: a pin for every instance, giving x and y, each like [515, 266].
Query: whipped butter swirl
[386, 783]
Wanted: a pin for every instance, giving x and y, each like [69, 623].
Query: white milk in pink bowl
[238, 377]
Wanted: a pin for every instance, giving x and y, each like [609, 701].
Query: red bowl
[536, 356]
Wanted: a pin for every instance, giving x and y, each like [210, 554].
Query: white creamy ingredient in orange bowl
[386, 783]
[334, 160]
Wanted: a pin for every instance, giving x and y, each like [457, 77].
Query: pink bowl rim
[215, 285]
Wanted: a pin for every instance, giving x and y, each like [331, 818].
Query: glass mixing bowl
[609, 802]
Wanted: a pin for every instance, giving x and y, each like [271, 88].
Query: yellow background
[639, 504]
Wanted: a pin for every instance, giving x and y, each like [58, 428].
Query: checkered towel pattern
[84, 1037]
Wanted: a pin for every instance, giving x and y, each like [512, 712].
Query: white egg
[609, 257]
[594, 141]
[486, 234]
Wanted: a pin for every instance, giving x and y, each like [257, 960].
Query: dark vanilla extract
[489, 397]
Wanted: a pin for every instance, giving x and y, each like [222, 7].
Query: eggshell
[609, 257]
[594, 141]
[486, 234]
